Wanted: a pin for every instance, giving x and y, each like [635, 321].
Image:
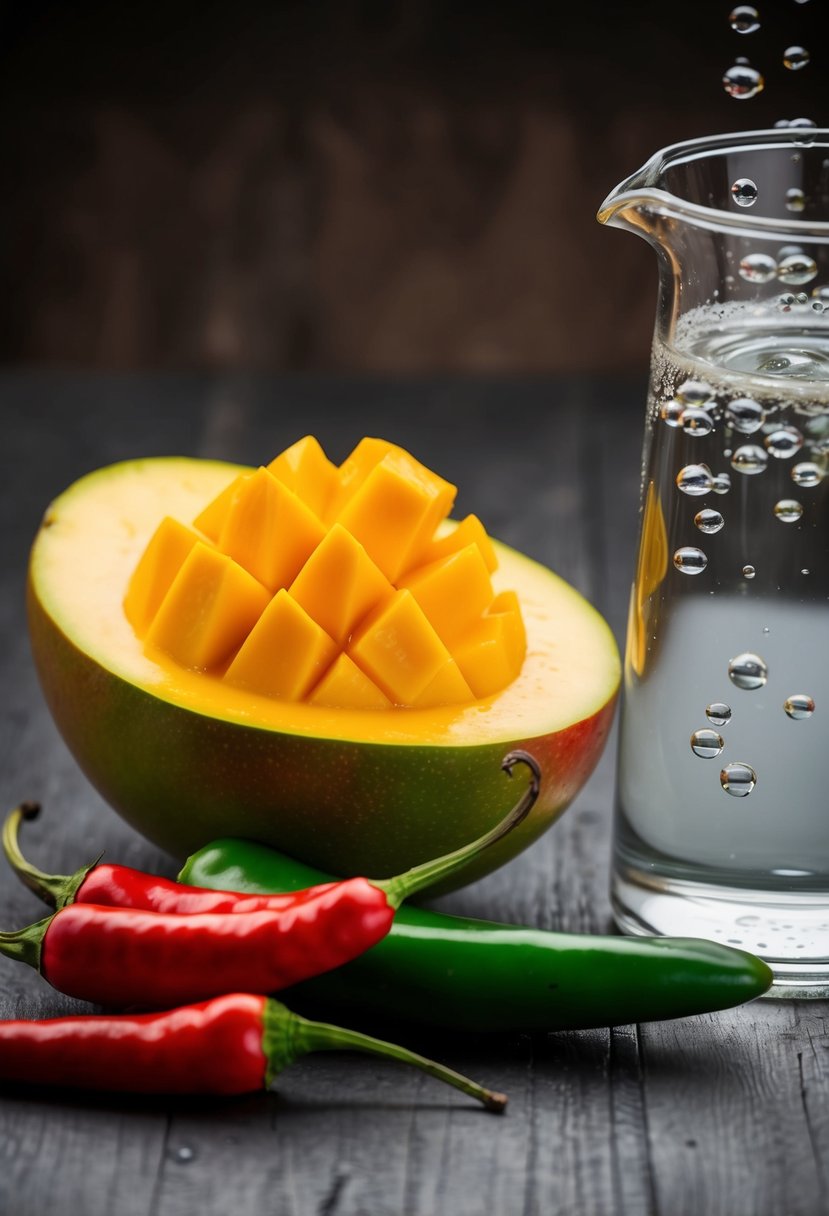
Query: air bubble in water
[821, 293]
[706, 743]
[671, 412]
[738, 779]
[744, 192]
[709, 521]
[749, 459]
[696, 421]
[784, 442]
[795, 58]
[744, 19]
[695, 479]
[690, 560]
[788, 510]
[749, 572]
[721, 484]
[758, 268]
[799, 268]
[718, 713]
[748, 671]
[807, 474]
[795, 199]
[801, 124]
[799, 705]
[742, 82]
[695, 392]
[745, 415]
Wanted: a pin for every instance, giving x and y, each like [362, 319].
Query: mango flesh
[341, 561]
[367, 790]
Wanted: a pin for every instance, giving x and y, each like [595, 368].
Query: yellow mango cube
[285, 653]
[160, 562]
[448, 687]
[211, 519]
[344, 686]
[453, 591]
[306, 470]
[354, 470]
[470, 531]
[339, 584]
[268, 530]
[490, 655]
[212, 604]
[398, 649]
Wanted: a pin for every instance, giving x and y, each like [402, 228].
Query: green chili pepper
[474, 975]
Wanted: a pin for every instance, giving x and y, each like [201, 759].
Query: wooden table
[726, 1115]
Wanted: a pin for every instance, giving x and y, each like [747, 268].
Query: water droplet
[799, 705]
[807, 474]
[748, 671]
[799, 268]
[749, 572]
[690, 560]
[184, 1154]
[784, 303]
[738, 779]
[788, 510]
[721, 484]
[706, 743]
[821, 293]
[745, 415]
[795, 199]
[758, 268]
[744, 19]
[708, 521]
[696, 421]
[795, 58]
[749, 459]
[718, 713]
[784, 443]
[805, 570]
[817, 305]
[742, 82]
[671, 412]
[695, 479]
[801, 124]
[744, 192]
[695, 392]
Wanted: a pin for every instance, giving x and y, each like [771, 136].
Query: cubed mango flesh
[344, 686]
[453, 591]
[269, 530]
[306, 470]
[160, 563]
[285, 653]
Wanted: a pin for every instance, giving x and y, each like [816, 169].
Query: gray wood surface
[724, 1115]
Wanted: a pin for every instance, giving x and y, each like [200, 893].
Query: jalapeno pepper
[474, 975]
[234, 1044]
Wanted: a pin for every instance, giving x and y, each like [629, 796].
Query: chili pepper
[474, 975]
[128, 956]
[233, 1044]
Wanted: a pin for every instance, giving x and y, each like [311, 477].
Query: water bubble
[745, 415]
[709, 521]
[744, 19]
[721, 484]
[758, 268]
[695, 392]
[799, 268]
[738, 779]
[784, 303]
[706, 743]
[784, 442]
[799, 705]
[689, 560]
[749, 572]
[818, 305]
[805, 570]
[744, 192]
[795, 199]
[788, 510]
[787, 251]
[748, 671]
[184, 1154]
[795, 58]
[749, 459]
[695, 479]
[801, 124]
[671, 412]
[742, 82]
[718, 713]
[807, 474]
[802, 298]
[821, 293]
[696, 421]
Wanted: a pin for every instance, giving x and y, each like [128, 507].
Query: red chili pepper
[131, 957]
[233, 1044]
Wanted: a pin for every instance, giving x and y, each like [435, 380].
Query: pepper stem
[403, 885]
[287, 1037]
[57, 890]
[25, 945]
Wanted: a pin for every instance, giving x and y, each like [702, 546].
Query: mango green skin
[475, 976]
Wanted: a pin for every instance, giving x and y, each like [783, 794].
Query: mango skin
[182, 778]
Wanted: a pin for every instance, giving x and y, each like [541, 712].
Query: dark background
[395, 186]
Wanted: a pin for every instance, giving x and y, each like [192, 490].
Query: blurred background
[360, 186]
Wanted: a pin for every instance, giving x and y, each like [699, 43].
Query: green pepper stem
[287, 1036]
[25, 945]
[57, 890]
[403, 885]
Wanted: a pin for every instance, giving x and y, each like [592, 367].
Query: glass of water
[722, 816]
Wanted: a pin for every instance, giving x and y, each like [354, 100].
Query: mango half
[370, 791]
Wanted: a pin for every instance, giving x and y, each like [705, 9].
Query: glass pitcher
[722, 816]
